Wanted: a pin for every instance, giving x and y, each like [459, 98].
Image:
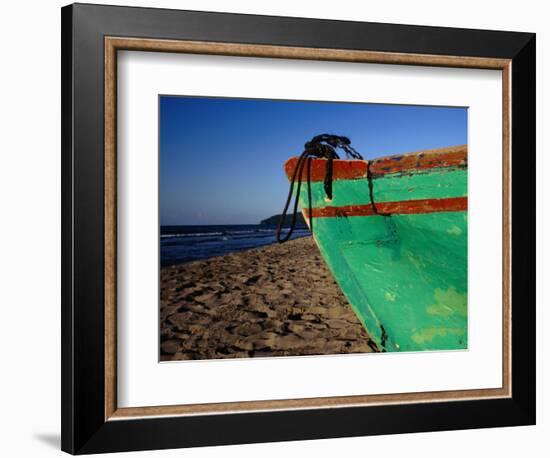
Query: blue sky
[221, 159]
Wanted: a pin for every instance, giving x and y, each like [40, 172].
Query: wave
[218, 234]
[191, 234]
[186, 243]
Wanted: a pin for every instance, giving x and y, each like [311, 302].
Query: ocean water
[179, 244]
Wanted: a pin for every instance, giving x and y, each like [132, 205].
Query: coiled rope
[321, 147]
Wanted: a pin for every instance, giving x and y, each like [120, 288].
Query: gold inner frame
[114, 44]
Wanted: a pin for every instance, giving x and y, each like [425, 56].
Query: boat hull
[402, 262]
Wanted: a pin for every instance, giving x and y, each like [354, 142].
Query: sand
[279, 300]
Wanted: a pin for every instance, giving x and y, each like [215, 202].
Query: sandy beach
[279, 300]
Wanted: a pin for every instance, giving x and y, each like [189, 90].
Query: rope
[322, 147]
[371, 192]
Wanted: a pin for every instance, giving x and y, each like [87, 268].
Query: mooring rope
[321, 147]
[371, 191]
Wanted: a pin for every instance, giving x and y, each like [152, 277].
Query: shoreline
[241, 251]
[276, 300]
[184, 244]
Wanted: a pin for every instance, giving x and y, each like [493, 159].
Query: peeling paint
[454, 230]
[448, 303]
[428, 335]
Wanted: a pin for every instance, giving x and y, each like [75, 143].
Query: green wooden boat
[400, 253]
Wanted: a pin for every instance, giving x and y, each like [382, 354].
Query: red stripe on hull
[350, 170]
[405, 207]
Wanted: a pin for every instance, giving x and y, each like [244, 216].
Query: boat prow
[395, 237]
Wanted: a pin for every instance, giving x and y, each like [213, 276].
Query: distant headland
[288, 219]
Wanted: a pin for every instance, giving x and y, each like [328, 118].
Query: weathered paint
[455, 156]
[405, 275]
[409, 186]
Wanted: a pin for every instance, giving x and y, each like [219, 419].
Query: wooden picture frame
[91, 37]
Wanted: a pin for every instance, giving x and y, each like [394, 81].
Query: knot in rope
[321, 147]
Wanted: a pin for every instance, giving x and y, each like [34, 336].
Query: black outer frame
[84, 429]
